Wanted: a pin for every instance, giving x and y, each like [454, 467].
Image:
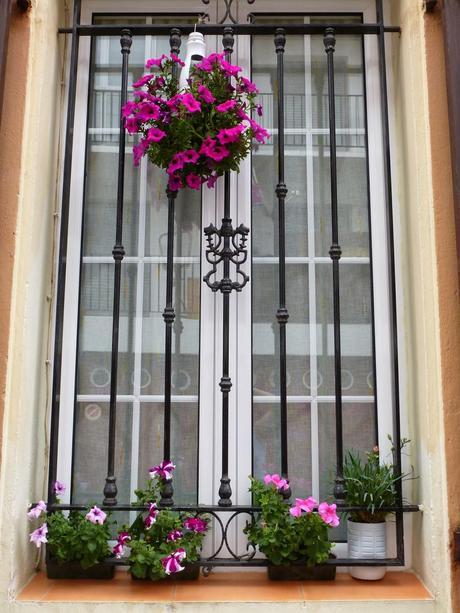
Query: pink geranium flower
[193, 181]
[96, 516]
[37, 510]
[277, 481]
[205, 94]
[307, 505]
[174, 535]
[171, 563]
[328, 514]
[38, 536]
[191, 104]
[226, 106]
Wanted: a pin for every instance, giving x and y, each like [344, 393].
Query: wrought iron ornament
[228, 10]
[235, 253]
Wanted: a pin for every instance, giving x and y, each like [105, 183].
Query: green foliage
[150, 546]
[283, 538]
[370, 484]
[73, 538]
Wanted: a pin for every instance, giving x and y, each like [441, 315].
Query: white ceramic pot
[367, 541]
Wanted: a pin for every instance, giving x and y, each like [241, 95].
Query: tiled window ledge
[230, 591]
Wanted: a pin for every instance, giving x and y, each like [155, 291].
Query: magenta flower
[131, 125]
[171, 563]
[307, 505]
[211, 180]
[96, 516]
[241, 114]
[191, 104]
[195, 524]
[216, 57]
[38, 536]
[139, 150]
[277, 481]
[174, 535]
[190, 156]
[143, 81]
[177, 60]
[259, 110]
[260, 134]
[175, 183]
[37, 510]
[205, 65]
[248, 86]
[229, 135]
[205, 94]
[214, 151]
[59, 488]
[128, 108]
[229, 69]
[328, 514]
[148, 112]
[164, 470]
[177, 163]
[155, 135]
[152, 515]
[155, 61]
[226, 106]
[193, 181]
[123, 538]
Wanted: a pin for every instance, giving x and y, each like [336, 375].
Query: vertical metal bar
[169, 314]
[118, 252]
[391, 266]
[282, 314]
[335, 253]
[61, 273]
[225, 490]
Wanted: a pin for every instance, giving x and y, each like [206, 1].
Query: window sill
[235, 587]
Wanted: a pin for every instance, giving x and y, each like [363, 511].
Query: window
[83, 379]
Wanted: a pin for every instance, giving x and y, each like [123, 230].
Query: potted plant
[295, 539]
[162, 543]
[370, 484]
[196, 133]
[77, 542]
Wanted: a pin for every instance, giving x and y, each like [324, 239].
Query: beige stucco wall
[32, 118]
[422, 188]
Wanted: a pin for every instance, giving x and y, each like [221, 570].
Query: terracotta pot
[367, 541]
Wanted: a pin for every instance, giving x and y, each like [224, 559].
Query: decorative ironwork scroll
[228, 10]
[217, 252]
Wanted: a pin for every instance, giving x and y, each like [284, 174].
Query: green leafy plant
[371, 484]
[290, 534]
[72, 537]
[160, 540]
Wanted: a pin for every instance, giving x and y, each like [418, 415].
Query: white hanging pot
[195, 51]
[367, 541]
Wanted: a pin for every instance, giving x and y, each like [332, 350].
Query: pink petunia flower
[190, 156]
[177, 59]
[259, 110]
[171, 563]
[248, 86]
[260, 134]
[131, 125]
[37, 510]
[307, 505]
[193, 181]
[164, 470]
[195, 524]
[128, 108]
[174, 535]
[148, 112]
[38, 536]
[143, 81]
[328, 514]
[205, 94]
[175, 183]
[155, 135]
[59, 488]
[211, 181]
[152, 515]
[123, 538]
[230, 135]
[230, 69]
[155, 61]
[191, 104]
[277, 481]
[96, 516]
[226, 106]
[139, 150]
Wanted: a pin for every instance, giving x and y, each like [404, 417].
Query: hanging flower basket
[198, 133]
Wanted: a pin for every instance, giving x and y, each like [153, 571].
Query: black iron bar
[169, 315]
[282, 314]
[61, 273]
[118, 252]
[225, 489]
[392, 269]
[335, 253]
[261, 562]
[246, 28]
